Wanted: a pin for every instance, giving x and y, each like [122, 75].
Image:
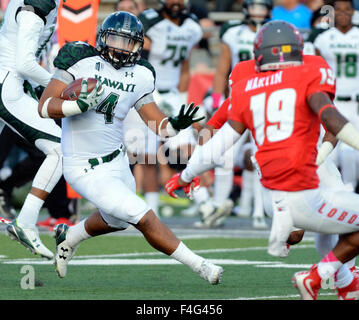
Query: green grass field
[125, 267]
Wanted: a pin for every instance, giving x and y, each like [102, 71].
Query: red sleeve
[322, 79]
[221, 115]
[235, 111]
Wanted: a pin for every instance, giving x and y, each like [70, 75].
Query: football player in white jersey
[170, 35]
[236, 45]
[28, 26]
[95, 163]
[339, 46]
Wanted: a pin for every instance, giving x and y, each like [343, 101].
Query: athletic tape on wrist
[70, 108]
[44, 111]
[324, 150]
[169, 129]
[350, 135]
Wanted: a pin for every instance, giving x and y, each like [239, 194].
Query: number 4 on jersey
[107, 106]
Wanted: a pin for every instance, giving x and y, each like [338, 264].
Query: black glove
[184, 120]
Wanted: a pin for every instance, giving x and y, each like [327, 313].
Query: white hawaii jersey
[99, 131]
[341, 51]
[9, 33]
[170, 45]
[239, 38]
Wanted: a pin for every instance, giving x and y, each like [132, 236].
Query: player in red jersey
[212, 218]
[283, 106]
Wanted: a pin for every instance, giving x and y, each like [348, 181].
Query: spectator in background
[294, 12]
[200, 10]
[314, 5]
[141, 4]
[132, 6]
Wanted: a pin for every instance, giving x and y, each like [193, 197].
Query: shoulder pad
[191, 16]
[228, 25]
[315, 33]
[149, 18]
[73, 52]
[42, 6]
[145, 63]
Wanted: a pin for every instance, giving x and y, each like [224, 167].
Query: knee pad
[50, 170]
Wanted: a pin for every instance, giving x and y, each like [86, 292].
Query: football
[73, 90]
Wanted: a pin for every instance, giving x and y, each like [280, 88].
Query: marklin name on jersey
[259, 82]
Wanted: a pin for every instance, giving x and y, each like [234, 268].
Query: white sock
[153, 199]
[328, 266]
[29, 212]
[343, 277]
[223, 184]
[76, 234]
[245, 199]
[258, 210]
[201, 195]
[187, 257]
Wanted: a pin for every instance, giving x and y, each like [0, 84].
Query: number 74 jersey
[273, 105]
[170, 45]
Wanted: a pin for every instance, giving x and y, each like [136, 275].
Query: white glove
[87, 101]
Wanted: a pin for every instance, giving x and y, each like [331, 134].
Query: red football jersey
[220, 117]
[273, 105]
[241, 70]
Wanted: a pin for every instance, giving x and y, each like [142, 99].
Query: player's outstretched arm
[30, 29]
[333, 120]
[221, 75]
[185, 77]
[206, 157]
[168, 126]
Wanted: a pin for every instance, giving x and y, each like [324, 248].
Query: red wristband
[324, 108]
[216, 97]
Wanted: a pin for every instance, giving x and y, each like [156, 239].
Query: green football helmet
[120, 39]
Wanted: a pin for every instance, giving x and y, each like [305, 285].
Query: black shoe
[6, 209]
